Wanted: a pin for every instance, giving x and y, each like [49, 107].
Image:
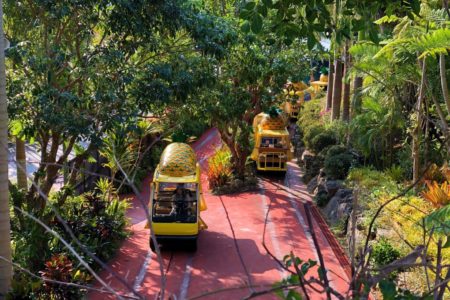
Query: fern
[387, 19]
[364, 49]
[433, 44]
[436, 16]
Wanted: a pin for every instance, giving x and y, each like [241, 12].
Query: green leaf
[245, 27]
[439, 220]
[250, 5]
[257, 22]
[91, 159]
[415, 6]
[262, 9]
[388, 289]
[293, 295]
[447, 242]
[358, 25]
[16, 127]
[321, 272]
[246, 14]
[267, 3]
[387, 19]
[311, 41]
[78, 149]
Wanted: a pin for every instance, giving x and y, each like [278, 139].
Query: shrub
[310, 114]
[310, 133]
[384, 253]
[339, 128]
[395, 172]
[60, 268]
[336, 150]
[322, 141]
[321, 199]
[98, 221]
[220, 169]
[370, 179]
[338, 162]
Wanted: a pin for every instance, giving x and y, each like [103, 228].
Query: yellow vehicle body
[272, 148]
[173, 218]
[320, 84]
[294, 94]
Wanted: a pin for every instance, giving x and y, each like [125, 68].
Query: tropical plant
[384, 253]
[395, 172]
[220, 170]
[438, 195]
[338, 161]
[59, 268]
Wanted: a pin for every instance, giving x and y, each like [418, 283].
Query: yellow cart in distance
[272, 148]
[295, 95]
[176, 198]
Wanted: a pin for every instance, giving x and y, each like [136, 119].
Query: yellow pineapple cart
[272, 148]
[320, 84]
[176, 198]
[296, 94]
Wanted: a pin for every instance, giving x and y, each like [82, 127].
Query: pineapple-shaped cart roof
[268, 122]
[178, 160]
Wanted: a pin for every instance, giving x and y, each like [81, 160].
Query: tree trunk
[346, 98]
[357, 97]
[444, 81]
[5, 237]
[21, 164]
[330, 86]
[417, 129]
[337, 91]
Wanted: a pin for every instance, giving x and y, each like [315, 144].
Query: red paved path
[216, 264]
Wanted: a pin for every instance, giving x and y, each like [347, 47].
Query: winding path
[230, 252]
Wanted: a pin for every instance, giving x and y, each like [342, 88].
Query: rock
[344, 210]
[345, 194]
[322, 172]
[340, 206]
[312, 184]
[332, 186]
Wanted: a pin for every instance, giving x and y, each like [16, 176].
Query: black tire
[152, 245]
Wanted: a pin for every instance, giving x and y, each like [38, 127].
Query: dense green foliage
[338, 162]
[85, 77]
[97, 219]
[383, 253]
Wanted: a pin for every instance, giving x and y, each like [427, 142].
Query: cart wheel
[152, 245]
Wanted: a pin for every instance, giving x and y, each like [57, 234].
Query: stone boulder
[332, 186]
[312, 184]
[339, 207]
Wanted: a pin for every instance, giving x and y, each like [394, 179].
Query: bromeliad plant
[438, 195]
[220, 169]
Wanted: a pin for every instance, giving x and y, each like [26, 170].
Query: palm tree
[5, 238]
[21, 164]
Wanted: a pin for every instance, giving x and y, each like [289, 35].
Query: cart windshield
[272, 142]
[175, 202]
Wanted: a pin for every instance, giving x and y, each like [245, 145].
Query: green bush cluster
[338, 162]
[98, 221]
[323, 141]
[384, 253]
[310, 133]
